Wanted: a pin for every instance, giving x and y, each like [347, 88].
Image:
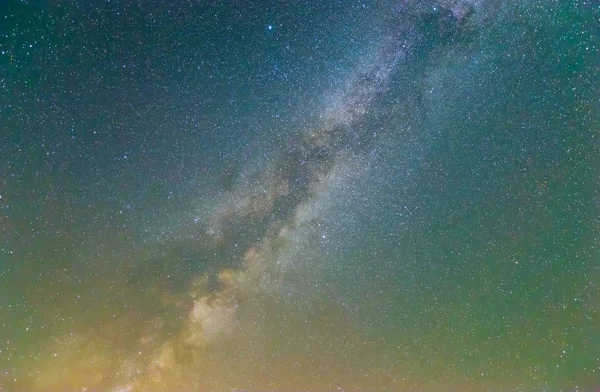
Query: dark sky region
[296, 195]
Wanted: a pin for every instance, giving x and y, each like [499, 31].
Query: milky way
[391, 196]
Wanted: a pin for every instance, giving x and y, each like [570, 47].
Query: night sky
[372, 196]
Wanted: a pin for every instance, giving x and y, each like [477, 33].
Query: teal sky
[299, 196]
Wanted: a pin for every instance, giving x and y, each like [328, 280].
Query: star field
[299, 196]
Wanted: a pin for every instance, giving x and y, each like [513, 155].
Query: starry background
[285, 196]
